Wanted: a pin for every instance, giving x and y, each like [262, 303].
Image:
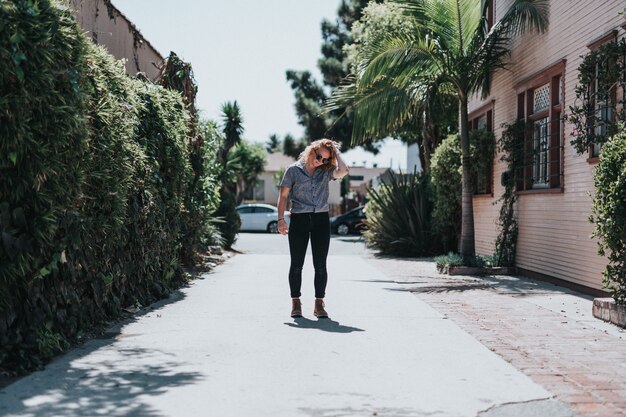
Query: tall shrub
[156, 216]
[201, 196]
[399, 216]
[44, 137]
[446, 180]
[94, 172]
[447, 184]
[609, 213]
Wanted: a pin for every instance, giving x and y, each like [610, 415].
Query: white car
[259, 217]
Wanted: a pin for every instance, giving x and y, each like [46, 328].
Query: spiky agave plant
[399, 216]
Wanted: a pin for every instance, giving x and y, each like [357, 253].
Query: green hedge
[446, 180]
[609, 212]
[95, 176]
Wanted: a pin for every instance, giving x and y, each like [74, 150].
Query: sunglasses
[319, 157]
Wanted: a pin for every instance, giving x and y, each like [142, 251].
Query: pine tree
[309, 93]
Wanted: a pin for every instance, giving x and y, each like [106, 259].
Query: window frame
[554, 75]
[490, 13]
[486, 111]
[612, 36]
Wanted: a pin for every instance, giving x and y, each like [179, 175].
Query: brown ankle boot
[319, 311]
[296, 307]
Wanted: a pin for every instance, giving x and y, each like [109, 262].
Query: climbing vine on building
[511, 147]
[599, 106]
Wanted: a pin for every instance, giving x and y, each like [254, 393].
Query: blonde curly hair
[332, 146]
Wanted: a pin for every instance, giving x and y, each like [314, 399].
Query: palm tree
[232, 130]
[232, 127]
[453, 51]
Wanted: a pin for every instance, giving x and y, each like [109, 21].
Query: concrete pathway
[226, 346]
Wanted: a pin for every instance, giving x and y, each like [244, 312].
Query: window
[489, 12]
[539, 103]
[602, 93]
[482, 118]
[263, 210]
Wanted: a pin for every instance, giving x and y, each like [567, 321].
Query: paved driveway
[226, 346]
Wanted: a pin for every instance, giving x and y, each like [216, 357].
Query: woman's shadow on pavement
[325, 324]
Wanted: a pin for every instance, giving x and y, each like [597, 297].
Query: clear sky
[240, 50]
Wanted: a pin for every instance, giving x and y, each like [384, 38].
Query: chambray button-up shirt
[308, 193]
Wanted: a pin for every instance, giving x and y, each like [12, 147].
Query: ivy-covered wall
[95, 174]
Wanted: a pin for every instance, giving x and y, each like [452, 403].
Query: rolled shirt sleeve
[288, 179]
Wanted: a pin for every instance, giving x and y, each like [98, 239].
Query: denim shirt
[308, 193]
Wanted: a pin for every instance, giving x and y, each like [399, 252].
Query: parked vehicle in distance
[351, 222]
[259, 217]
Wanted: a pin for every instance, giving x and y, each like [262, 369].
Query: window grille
[541, 98]
[540, 105]
[481, 122]
[540, 161]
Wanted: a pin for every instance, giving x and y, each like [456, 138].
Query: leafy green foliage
[399, 216]
[94, 185]
[446, 181]
[293, 148]
[596, 114]
[451, 259]
[609, 213]
[207, 173]
[231, 131]
[425, 122]
[229, 221]
[482, 147]
[250, 160]
[232, 127]
[273, 143]
[43, 127]
[452, 51]
[443, 262]
[201, 197]
[310, 94]
[511, 146]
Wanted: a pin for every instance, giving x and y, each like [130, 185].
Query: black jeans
[303, 226]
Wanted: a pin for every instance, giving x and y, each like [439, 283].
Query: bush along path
[98, 186]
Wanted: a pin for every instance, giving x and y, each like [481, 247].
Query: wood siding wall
[107, 26]
[554, 233]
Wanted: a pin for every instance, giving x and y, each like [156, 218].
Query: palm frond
[382, 112]
[379, 110]
[402, 60]
[526, 15]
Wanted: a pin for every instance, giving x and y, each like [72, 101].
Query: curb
[608, 310]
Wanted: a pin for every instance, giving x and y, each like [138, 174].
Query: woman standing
[305, 183]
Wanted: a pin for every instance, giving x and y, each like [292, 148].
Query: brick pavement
[544, 330]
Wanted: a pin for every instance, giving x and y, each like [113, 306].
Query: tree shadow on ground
[326, 325]
[84, 386]
[460, 287]
[525, 286]
[77, 384]
[518, 286]
[348, 238]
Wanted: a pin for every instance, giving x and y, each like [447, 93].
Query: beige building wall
[107, 26]
[554, 233]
